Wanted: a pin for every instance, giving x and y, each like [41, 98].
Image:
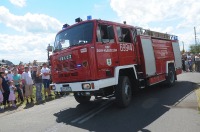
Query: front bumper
[78, 86]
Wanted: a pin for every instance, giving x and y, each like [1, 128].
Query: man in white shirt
[46, 79]
[28, 83]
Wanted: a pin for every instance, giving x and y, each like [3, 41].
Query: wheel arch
[170, 64]
[128, 70]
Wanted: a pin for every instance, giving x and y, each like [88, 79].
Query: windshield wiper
[76, 44]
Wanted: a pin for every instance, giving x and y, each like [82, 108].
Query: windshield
[80, 34]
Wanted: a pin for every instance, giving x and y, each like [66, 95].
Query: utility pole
[49, 49]
[183, 47]
[195, 36]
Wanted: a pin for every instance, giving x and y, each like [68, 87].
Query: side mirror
[120, 39]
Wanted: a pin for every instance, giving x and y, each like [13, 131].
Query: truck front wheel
[81, 99]
[123, 92]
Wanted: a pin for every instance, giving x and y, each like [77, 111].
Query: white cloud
[20, 3]
[172, 16]
[25, 48]
[145, 11]
[36, 31]
[99, 7]
[34, 23]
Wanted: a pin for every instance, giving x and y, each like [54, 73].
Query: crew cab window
[123, 35]
[105, 33]
[134, 33]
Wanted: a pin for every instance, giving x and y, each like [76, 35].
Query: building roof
[6, 62]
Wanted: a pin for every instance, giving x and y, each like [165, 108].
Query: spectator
[197, 60]
[4, 85]
[190, 64]
[35, 63]
[46, 79]
[186, 65]
[1, 97]
[3, 69]
[17, 81]
[28, 83]
[183, 63]
[37, 77]
[10, 75]
[12, 93]
[20, 68]
[193, 63]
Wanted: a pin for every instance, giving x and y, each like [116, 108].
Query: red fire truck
[103, 59]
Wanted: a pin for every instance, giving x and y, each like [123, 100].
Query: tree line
[195, 48]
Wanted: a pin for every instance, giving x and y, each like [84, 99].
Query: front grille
[72, 65]
[66, 66]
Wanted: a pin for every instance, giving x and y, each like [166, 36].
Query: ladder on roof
[141, 31]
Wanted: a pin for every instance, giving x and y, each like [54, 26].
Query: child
[10, 76]
[12, 93]
[1, 98]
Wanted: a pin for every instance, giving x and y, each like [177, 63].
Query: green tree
[194, 48]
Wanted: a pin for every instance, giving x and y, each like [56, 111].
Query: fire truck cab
[102, 59]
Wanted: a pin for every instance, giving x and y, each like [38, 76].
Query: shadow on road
[147, 106]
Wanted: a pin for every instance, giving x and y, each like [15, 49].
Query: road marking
[93, 112]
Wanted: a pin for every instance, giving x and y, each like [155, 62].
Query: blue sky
[28, 26]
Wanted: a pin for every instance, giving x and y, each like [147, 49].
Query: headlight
[86, 86]
[53, 87]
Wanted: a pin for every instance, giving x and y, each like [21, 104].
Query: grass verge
[34, 97]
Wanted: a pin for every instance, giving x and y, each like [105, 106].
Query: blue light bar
[89, 17]
[78, 65]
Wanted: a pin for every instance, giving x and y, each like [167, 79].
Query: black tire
[62, 93]
[170, 77]
[81, 99]
[123, 92]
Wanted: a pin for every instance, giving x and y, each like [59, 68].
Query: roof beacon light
[78, 19]
[89, 17]
[65, 26]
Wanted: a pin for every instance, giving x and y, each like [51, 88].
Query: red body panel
[163, 52]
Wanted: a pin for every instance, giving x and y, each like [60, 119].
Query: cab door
[106, 50]
[125, 45]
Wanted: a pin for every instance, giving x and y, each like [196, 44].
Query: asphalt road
[156, 109]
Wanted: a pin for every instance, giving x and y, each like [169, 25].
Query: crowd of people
[21, 79]
[191, 62]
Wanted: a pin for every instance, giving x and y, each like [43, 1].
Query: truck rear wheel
[81, 99]
[123, 92]
[170, 77]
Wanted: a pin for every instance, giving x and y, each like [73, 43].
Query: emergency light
[78, 19]
[65, 26]
[89, 17]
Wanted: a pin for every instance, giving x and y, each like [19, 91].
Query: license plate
[53, 88]
[66, 89]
